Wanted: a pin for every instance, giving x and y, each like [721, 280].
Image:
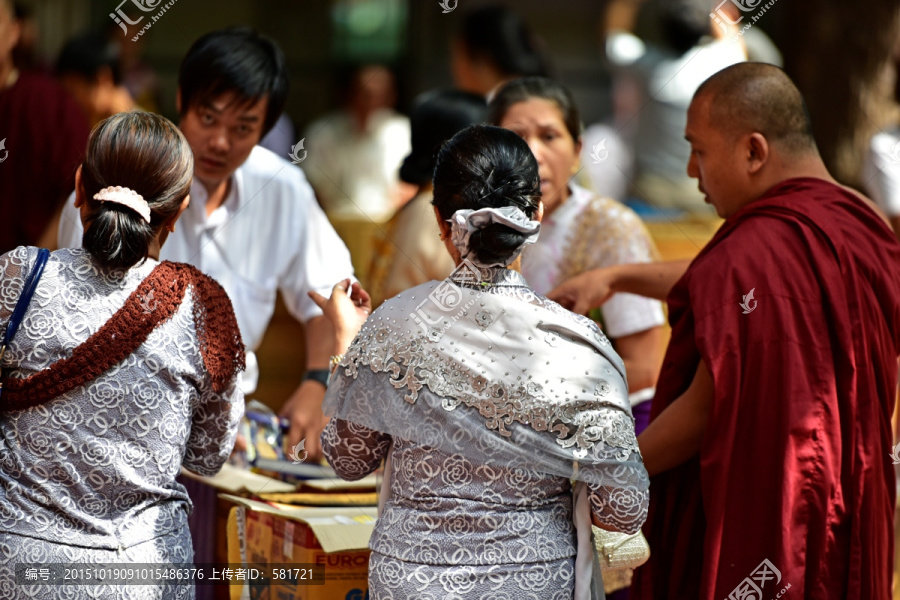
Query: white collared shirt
[355, 172]
[268, 235]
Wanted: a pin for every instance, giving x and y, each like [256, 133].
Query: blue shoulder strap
[25, 299]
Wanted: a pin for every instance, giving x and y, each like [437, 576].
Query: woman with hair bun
[121, 370]
[486, 400]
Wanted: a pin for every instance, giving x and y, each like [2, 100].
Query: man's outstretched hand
[586, 291]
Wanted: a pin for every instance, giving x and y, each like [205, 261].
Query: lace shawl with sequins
[492, 371]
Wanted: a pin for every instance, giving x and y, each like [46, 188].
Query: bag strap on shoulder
[24, 299]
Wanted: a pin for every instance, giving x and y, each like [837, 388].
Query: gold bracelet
[335, 361]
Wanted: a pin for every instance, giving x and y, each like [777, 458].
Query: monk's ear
[757, 152]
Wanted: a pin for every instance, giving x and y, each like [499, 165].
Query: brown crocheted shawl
[220, 339]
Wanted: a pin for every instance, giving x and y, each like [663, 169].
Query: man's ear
[80, 195]
[757, 152]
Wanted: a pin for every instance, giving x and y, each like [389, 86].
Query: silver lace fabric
[501, 376]
[96, 467]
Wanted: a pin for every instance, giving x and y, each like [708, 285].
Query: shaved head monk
[770, 438]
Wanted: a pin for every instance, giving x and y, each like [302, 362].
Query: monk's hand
[586, 291]
[348, 308]
[676, 434]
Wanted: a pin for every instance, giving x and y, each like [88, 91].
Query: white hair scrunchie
[465, 221]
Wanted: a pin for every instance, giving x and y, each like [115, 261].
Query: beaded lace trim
[415, 361]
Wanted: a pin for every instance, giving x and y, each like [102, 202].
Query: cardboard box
[334, 541]
[209, 519]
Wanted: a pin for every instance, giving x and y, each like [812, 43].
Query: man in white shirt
[253, 222]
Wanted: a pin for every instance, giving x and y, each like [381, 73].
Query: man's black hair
[236, 60]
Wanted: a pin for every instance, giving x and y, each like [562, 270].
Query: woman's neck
[515, 265]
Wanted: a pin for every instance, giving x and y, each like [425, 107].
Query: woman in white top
[580, 230]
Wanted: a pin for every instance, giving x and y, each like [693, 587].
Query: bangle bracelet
[320, 375]
[335, 360]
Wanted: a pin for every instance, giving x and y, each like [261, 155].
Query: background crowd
[348, 190]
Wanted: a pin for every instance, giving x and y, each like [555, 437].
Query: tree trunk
[840, 55]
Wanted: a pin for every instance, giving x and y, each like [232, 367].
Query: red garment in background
[46, 135]
[794, 466]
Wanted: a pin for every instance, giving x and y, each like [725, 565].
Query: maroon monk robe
[46, 135]
[794, 468]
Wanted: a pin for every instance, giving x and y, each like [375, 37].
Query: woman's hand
[347, 309]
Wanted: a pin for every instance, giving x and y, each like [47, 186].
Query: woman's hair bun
[147, 154]
[487, 167]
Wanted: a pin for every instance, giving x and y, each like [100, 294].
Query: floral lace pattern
[96, 466]
[392, 579]
[446, 511]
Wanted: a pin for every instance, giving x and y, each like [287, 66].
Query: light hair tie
[126, 197]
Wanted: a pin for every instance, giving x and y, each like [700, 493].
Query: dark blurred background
[840, 53]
